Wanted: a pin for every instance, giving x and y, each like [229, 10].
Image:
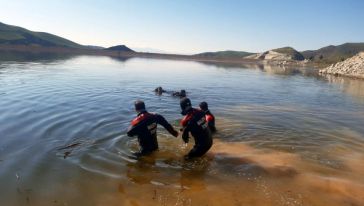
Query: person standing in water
[145, 127]
[210, 118]
[195, 123]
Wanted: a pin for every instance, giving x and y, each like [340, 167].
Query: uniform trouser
[144, 152]
[147, 147]
[198, 151]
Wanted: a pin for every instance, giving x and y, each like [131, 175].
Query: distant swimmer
[145, 127]
[195, 123]
[210, 118]
[180, 94]
[159, 90]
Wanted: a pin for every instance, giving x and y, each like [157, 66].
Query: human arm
[186, 125]
[162, 121]
[131, 131]
[211, 122]
[185, 135]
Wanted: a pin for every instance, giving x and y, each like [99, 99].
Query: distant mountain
[280, 54]
[94, 47]
[18, 38]
[121, 48]
[13, 35]
[332, 54]
[224, 54]
[149, 50]
[291, 52]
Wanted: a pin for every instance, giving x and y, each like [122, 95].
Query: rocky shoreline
[352, 67]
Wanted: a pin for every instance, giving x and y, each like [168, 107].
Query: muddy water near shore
[284, 137]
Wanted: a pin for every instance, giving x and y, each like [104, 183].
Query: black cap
[139, 105]
[186, 105]
[204, 106]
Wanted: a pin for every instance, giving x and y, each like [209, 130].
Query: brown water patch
[230, 174]
[272, 178]
[339, 190]
[249, 154]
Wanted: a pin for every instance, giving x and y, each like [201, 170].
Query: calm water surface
[285, 136]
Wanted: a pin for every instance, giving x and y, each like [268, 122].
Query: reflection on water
[289, 70]
[18, 56]
[353, 87]
[269, 68]
[285, 136]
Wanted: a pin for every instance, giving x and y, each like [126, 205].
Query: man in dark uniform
[145, 127]
[159, 91]
[180, 94]
[210, 118]
[195, 123]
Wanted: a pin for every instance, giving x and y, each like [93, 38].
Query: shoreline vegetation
[18, 39]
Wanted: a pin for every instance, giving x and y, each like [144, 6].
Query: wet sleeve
[162, 121]
[211, 125]
[131, 131]
[211, 122]
[185, 135]
[186, 129]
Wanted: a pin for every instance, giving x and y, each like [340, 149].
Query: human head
[186, 105]
[139, 106]
[204, 106]
[159, 90]
[183, 93]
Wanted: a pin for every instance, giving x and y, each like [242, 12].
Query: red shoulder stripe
[188, 117]
[209, 118]
[140, 118]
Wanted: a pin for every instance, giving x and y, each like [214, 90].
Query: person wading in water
[210, 118]
[195, 123]
[145, 127]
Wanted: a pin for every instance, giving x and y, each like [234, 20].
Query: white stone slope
[271, 55]
[352, 67]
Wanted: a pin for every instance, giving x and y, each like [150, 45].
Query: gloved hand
[175, 133]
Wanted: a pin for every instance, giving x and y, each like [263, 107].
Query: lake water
[285, 136]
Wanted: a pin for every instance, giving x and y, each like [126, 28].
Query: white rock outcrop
[352, 67]
[271, 56]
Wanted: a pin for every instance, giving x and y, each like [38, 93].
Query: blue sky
[192, 26]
